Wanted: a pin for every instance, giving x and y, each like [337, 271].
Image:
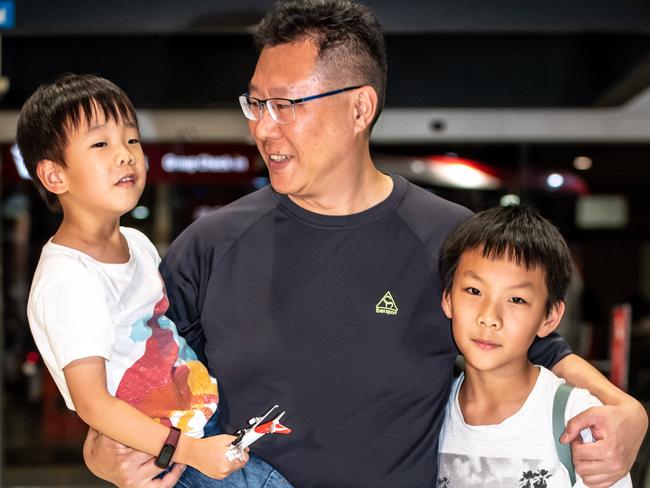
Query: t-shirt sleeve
[75, 316]
[548, 351]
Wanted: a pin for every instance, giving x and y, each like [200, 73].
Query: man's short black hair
[350, 41]
[54, 110]
[518, 234]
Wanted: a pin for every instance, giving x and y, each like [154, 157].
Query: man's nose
[265, 127]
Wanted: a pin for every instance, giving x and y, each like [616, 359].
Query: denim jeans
[256, 473]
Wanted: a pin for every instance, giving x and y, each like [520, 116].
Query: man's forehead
[286, 68]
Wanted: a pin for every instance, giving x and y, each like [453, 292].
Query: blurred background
[540, 102]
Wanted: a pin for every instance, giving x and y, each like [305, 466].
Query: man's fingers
[170, 479]
[588, 451]
[576, 424]
[599, 481]
[146, 469]
[595, 464]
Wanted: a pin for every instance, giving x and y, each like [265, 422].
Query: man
[322, 293]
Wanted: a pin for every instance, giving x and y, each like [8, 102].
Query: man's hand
[123, 466]
[619, 432]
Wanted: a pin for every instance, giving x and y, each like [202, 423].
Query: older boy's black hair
[350, 41]
[518, 234]
[54, 110]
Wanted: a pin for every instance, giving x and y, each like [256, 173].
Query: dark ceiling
[451, 53]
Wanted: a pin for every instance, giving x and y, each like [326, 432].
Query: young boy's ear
[51, 176]
[552, 320]
[446, 303]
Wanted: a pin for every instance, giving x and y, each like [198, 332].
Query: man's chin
[280, 185]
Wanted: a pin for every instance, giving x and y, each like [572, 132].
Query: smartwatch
[168, 448]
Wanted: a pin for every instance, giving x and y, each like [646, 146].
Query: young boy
[97, 303]
[505, 272]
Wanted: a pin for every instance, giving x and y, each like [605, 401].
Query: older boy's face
[105, 172]
[497, 307]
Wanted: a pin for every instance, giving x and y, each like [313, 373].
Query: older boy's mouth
[486, 345]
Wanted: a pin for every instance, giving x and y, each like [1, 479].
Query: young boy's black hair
[518, 234]
[54, 110]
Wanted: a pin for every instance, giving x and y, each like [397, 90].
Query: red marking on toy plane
[272, 427]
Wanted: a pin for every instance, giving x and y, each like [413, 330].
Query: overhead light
[555, 180]
[462, 173]
[510, 199]
[582, 163]
[418, 166]
[442, 170]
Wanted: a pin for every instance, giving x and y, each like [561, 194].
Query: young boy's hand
[210, 457]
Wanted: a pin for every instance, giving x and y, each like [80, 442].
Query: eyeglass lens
[280, 110]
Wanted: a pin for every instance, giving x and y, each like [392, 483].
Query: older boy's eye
[473, 291]
[518, 300]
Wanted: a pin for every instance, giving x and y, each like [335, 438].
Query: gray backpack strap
[563, 450]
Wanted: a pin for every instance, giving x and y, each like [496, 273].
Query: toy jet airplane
[259, 426]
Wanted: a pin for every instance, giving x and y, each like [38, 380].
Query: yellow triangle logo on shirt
[387, 305]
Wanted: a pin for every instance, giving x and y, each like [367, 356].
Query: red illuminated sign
[620, 345]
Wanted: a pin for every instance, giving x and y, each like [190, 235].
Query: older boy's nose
[489, 317]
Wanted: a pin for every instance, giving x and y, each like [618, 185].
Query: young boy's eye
[134, 141]
[518, 300]
[473, 291]
[99, 144]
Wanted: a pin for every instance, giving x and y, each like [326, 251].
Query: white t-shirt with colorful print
[79, 307]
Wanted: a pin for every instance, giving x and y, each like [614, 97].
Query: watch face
[165, 456]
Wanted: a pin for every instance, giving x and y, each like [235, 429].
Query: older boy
[505, 272]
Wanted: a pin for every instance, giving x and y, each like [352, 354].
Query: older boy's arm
[619, 427]
[123, 466]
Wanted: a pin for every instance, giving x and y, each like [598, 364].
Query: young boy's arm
[86, 380]
[619, 427]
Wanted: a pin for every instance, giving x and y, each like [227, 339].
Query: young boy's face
[497, 308]
[104, 173]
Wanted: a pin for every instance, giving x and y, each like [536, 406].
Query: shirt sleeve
[75, 316]
[548, 351]
[184, 271]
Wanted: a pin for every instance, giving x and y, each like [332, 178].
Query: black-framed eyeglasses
[282, 110]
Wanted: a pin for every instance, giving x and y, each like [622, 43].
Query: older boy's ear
[51, 176]
[446, 303]
[552, 320]
[365, 107]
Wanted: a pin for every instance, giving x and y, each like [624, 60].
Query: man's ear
[51, 176]
[365, 107]
[552, 320]
[446, 303]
